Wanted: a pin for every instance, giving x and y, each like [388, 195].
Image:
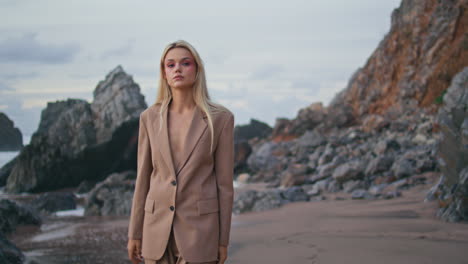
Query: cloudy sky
[264, 59]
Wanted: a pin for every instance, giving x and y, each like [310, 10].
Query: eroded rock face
[426, 46]
[116, 99]
[11, 138]
[65, 129]
[79, 141]
[452, 150]
[414, 63]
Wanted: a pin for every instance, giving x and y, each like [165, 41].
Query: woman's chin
[182, 86]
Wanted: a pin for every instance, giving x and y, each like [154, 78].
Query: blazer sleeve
[224, 171]
[142, 183]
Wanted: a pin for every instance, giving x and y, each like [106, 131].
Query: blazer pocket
[149, 205]
[207, 206]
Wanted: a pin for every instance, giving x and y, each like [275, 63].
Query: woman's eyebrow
[184, 58]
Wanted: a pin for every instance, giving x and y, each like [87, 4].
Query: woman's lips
[178, 78]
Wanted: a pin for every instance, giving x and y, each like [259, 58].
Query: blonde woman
[182, 205]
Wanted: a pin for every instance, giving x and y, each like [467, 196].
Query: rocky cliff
[79, 141]
[412, 66]
[397, 123]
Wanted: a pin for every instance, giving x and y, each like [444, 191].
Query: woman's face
[180, 68]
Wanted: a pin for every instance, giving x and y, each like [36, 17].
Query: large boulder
[13, 214]
[112, 196]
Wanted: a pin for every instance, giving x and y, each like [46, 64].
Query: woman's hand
[222, 253]
[134, 251]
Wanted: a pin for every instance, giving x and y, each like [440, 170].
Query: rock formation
[79, 141]
[117, 99]
[113, 196]
[411, 68]
[11, 138]
[415, 62]
[452, 152]
[12, 215]
[381, 135]
[244, 136]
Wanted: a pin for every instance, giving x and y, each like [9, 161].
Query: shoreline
[310, 232]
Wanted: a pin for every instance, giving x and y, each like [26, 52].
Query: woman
[182, 205]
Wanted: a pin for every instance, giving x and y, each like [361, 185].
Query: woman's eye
[170, 65]
[186, 63]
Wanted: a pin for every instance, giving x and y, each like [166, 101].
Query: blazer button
[172, 208]
[174, 182]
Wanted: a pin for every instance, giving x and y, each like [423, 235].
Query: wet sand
[401, 230]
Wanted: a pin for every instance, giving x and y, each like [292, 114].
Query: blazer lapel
[197, 126]
[195, 131]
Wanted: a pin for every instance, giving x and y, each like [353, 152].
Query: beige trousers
[172, 255]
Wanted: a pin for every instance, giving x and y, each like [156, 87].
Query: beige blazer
[196, 199]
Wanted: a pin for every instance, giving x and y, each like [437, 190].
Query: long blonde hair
[199, 90]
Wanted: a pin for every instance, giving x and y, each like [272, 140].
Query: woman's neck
[182, 102]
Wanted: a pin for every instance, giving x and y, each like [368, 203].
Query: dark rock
[268, 199]
[327, 170]
[85, 186]
[244, 201]
[386, 145]
[327, 156]
[379, 164]
[52, 202]
[113, 196]
[294, 194]
[11, 138]
[265, 157]
[334, 186]
[242, 151]
[352, 170]
[311, 139]
[255, 129]
[361, 194]
[403, 167]
[13, 214]
[6, 170]
[79, 141]
[391, 194]
[295, 174]
[350, 186]
[54, 169]
[307, 119]
[9, 253]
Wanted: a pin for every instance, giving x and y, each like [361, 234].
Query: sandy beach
[401, 230]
